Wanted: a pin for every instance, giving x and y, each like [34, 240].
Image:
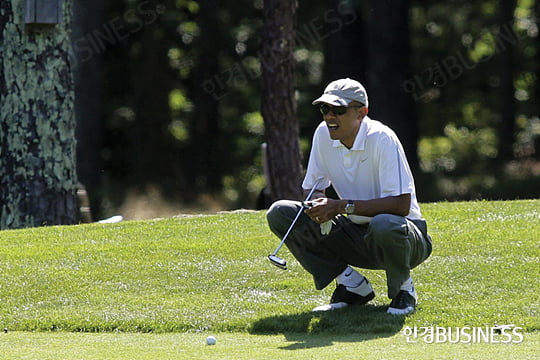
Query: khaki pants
[391, 243]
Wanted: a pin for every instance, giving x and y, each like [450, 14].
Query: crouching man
[376, 223]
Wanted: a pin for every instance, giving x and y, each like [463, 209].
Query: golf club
[276, 260]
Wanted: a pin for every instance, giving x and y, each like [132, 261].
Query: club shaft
[296, 218]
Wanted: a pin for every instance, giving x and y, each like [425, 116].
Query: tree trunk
[37, 138]
[345, 56]
[205, 173]
[88, 16]
[389, 63]
[278, 106]
[152, 79]
[537, 72]
[506, 46]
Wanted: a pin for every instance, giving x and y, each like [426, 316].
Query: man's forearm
[398, 205]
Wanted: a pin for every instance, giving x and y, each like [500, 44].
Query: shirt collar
[360, 140]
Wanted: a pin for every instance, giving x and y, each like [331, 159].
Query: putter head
[279, 262]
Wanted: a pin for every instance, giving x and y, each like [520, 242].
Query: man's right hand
[323, 209]
[317, 194]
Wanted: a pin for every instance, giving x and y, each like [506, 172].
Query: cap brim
[332, 100]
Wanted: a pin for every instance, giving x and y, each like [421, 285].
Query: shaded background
[168, 96]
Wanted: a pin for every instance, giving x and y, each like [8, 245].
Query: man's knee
[279, 209]
[280, 213]
[385, 228]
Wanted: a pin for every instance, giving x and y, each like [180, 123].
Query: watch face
[349, 208]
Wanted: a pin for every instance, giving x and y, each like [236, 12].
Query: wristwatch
[349, 208]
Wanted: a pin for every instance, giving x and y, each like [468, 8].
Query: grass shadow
[318, 329]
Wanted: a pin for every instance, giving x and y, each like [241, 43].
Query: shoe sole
[406, 311]
[341, 305]
[331, 307]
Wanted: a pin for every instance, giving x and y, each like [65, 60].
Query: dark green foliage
[203, 61]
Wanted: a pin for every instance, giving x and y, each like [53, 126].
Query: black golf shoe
[343, 297]
[404, 303]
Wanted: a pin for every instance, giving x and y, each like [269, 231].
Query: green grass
[184, 278]
[190, 346]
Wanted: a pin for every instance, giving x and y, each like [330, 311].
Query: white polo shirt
[375, 166]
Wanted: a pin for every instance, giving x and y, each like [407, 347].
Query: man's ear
[364, 111]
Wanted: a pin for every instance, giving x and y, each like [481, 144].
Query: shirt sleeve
[395, 176]
[317, 172]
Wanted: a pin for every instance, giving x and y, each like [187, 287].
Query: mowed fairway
[54, 346]
[156, 289]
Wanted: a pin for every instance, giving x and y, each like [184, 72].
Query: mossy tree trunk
[37, 124]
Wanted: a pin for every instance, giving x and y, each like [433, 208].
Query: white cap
[342, 92]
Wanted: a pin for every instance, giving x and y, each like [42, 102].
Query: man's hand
[316, 194]
[323, 209]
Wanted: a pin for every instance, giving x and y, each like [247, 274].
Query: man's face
[343, 127]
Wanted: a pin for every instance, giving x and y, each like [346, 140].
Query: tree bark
[278, 106]
[506, 45]
[88, 16]
[389, 63]
[152, 79]
[205, 173]
[37, 139]
[537, 72]
[345, 55]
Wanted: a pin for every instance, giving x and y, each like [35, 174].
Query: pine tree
[278, 106]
